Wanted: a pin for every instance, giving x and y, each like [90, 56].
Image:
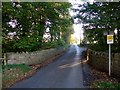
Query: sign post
[109, 41]
[109, 59]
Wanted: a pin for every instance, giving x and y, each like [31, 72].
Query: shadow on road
[86, 70]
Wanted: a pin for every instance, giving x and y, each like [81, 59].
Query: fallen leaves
[102, 78]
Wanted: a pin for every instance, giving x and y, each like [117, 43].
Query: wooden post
[5, 59]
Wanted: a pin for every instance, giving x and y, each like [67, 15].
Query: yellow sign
[109, 39]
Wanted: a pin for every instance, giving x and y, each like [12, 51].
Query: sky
[78, 30]
[78, 27]
[80, 1]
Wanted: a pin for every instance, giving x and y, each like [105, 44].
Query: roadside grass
[22, 67]
[13, 73]
[103, 84]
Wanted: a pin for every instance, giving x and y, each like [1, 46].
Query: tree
[99, 17]
[24, 24]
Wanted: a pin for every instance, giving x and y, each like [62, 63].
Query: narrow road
[65, 72]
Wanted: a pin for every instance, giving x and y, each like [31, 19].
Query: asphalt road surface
[66, 71]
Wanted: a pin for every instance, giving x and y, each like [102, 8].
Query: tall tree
[24, 23]
[99, 17]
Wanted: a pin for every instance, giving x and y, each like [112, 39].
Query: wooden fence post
[5, 58]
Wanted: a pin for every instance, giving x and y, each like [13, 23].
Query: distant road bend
[65, 72]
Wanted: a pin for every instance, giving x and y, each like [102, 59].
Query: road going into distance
[67, 71]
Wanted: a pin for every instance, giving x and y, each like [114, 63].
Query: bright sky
[78, 27]
[76, 1]
[80, 1]
[78, 31]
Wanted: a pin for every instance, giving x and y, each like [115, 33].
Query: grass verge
[103, 84]
[13, 73]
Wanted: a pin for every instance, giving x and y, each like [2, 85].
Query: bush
[104, 48]
[23, 44]
[98, 47]
[48, 45]
[29, 44]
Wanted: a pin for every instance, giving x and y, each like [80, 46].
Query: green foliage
[97, 47]
[30, 27]
[27, 44]
[108, 85]
[60, 42]
[54, 44]
[7, 45]
[23, 44]
[49, 45]
[22, 67]
[99, 17]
